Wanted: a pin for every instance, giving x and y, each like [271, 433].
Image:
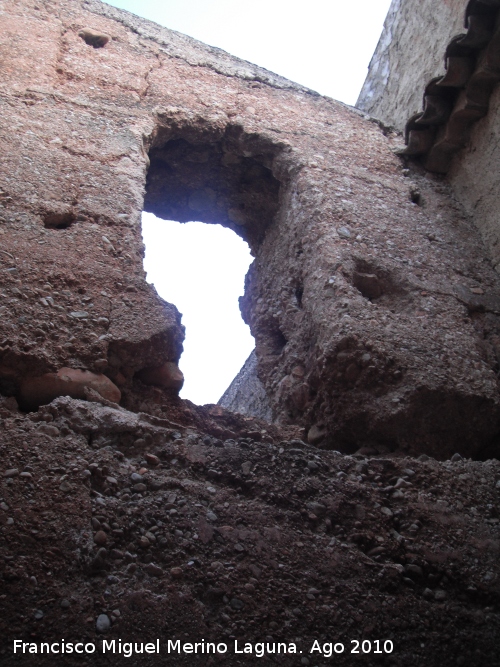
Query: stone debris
[314, 546]
[103, 623]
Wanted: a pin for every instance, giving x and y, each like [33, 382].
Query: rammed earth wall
[373, 308]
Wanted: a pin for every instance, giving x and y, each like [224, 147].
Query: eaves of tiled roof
[457, 100]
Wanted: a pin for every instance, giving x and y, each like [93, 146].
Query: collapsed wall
[373, 308]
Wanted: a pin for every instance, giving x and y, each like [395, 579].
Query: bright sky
[325, 45]
[201, 268]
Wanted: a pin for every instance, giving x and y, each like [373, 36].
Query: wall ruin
[361, 301]
[445, 59]
[130, 515]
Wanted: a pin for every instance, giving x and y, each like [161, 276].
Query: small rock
[440, 595]
[316, 508]
[135, 477]
[48, 429]
[176, 572]
[168, 376]
[13, 472]
[316, 434]
[376, 551]
[344, 233]
[152, 459]
[129, 557]
[415, 570]
[38, 614]
[100, 538]
[65, 604]
[211, 516]
[153, 570]
[428, 594]
[236, 603]
[103, 623]
[456, 457]
[246, 467]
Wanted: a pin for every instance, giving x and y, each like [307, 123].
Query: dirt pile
[176, 534]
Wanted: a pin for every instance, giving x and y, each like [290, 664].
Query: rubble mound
[116, 526]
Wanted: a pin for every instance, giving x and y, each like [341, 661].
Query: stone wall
[474, 177]
[374, 314]
[246, 393]
[409, 54]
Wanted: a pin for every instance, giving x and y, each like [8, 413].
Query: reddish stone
[72, 382]
[168, 376]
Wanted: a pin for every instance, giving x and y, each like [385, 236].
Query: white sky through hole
[325, 45]
[201, 269]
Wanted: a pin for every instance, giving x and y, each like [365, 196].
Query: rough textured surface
[246, 394]
[375, 315]
[409, 54]
[474, 176]
[456, 100]
[171, 533]
[347, 306]
[453, 104]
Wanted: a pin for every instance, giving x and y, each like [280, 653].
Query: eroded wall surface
[409, 54]
[374, 314]
[474, 176]
[246, 394]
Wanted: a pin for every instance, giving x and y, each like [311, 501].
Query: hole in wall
[216, 183]
[299, 293]
[93, 38]
[58, 220]
[374, 281]
[227, 182]
[201, 269]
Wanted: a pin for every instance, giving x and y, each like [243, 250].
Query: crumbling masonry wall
[444, 58]
[363, 293]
